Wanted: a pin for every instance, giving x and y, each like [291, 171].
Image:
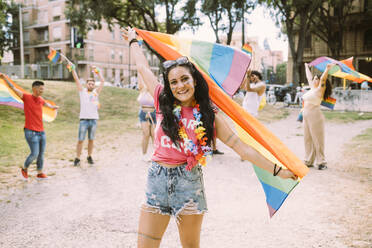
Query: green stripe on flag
[285, 185]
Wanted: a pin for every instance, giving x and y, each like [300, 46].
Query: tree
[223, 15]
[329, 23]
[10, 27]
[281, 73]
[296, 17]
[89, 14]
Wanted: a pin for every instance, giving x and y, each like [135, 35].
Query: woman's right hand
[285, 174]
[129, 33]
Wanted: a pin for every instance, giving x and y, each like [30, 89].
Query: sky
[261, 25]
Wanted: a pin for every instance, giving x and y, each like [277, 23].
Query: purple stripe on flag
[238, 68]
[13, 104]
[272, 211]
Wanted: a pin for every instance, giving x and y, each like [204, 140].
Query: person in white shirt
[255, 88]
[89, 105]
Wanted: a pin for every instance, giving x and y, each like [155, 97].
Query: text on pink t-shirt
[165, 150]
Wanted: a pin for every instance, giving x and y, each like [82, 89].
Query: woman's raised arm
[143, 66]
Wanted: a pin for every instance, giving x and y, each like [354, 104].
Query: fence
[353, 100]
[41, 71]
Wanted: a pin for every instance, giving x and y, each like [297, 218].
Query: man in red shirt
[34, 129]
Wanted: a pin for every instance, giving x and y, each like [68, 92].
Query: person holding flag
[313, 119]
[255, 91]
[186, 126]
[89, 105]
[33, 129]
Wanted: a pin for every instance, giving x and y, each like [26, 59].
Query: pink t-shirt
[165, 150]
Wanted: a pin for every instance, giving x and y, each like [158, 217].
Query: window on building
[91, 53]
[113, 34]
[56, 11]
[368, 6]
[308, 41]
[112, 54]
[121, 57]
[26, 17]
[43, 35]
[57, 33]
[26, 37]
[42, 16]
[368, 39]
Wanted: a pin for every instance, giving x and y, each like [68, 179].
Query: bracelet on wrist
[276, 172]
[132, 41]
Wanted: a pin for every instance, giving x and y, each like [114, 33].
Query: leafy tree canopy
[144, 14]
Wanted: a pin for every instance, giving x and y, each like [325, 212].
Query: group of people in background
[182, 123]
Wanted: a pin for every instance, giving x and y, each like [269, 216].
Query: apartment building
[46, 27]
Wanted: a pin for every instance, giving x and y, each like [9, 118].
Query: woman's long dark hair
[328, 90]
[201, 94]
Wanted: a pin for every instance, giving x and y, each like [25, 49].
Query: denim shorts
[174, 191]
[89, 125]
[145, 116]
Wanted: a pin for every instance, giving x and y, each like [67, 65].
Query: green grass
[270, 113]
[359, 151]
[344, 117]
[118, 114]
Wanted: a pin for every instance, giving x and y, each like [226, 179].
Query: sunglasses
[180, 61]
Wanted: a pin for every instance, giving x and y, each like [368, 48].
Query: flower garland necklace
[196, 153]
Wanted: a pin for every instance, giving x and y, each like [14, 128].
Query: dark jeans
[36, 141]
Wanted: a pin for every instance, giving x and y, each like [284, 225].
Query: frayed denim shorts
[175, 191]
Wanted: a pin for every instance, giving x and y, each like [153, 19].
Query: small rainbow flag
[248, 49]
[96, 70]
[329, 103]
[70, 67]
[54, 56]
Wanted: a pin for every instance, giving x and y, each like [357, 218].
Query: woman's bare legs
[146, 132]
[189, 229]
[151, 228]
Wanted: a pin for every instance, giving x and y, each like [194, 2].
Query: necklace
[196, 153]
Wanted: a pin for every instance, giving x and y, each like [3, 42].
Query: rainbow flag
[225, 65]
[329, 103]
[70, 67]
[8, 97]
[344, 69]
[54, 56]
[232, 63]
[248, 49]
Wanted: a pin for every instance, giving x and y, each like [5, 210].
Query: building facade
[45, 27]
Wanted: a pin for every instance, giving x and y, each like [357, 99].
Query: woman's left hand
[285, 174]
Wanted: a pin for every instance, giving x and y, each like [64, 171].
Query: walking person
[186, 125]
[313, 119]
[147, 117]
[89, 105]
[255, 90]
[33, 129]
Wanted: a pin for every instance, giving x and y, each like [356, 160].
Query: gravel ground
[98, 206]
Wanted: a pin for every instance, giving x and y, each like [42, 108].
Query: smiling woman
[186, 126]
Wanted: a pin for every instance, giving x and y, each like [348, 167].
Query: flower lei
[196, 153]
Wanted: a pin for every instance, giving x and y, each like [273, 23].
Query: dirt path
[98, 206]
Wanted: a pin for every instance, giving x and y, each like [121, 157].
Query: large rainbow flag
[224, 68]
[344, 69]
[8, 97]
